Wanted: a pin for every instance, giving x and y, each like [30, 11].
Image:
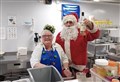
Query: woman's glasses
[47, 36]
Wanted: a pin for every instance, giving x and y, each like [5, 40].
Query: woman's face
[47, 38]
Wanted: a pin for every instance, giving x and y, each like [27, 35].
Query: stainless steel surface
[102, 44]
[93, 1]
[46, 74]
[115, 57]
[10, 62]
[11, 57]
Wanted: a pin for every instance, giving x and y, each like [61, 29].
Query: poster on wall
[11, 32]
[11, 20]
[68, 8]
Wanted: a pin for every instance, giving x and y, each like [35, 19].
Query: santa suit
[78, 48]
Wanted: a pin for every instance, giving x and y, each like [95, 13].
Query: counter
[11, 57]
[10, 62]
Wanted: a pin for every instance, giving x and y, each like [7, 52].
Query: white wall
[42, 15]
[119, 23]
[119, 15]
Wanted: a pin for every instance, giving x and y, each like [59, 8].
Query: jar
[101, 70]
[112, 68]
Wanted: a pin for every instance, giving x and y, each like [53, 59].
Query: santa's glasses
[70, 22]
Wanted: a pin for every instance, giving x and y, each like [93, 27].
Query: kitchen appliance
[22, 51]
[2, 53]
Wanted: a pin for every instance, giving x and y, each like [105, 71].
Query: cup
[81, 77]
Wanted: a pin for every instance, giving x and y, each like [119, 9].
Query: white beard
[69, 33]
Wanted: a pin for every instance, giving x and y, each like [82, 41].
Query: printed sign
[68, 8]
[11, 20]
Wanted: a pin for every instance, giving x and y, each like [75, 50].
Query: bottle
[82, 25]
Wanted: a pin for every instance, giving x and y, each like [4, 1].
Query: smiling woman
[48, 53]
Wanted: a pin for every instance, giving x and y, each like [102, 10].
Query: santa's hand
[67, 73]
[89, 24]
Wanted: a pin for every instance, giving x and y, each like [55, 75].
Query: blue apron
[51, 58]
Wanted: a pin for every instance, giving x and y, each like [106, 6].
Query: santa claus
[73, 42]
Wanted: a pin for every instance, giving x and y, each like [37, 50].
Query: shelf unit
[102, 53]
[95, 51]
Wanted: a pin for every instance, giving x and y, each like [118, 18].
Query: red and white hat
[70, 17]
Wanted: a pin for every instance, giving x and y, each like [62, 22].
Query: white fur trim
[67, 48]
[81, 67]
[69, 33]
[69, 18]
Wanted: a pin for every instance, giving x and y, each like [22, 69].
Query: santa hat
[70, 17]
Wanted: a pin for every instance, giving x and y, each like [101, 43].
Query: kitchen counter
[9, 62]
[28, 80]
[11, 57]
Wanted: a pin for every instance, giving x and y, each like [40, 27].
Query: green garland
[50, 28]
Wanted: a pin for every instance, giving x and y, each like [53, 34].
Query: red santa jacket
[78, 47]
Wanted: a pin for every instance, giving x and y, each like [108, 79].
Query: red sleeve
[92, 36]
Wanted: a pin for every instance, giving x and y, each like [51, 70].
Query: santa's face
[69, 31]
[69, 23]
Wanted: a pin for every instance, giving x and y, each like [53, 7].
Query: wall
[44, 14]
[119, 23]
[119, 15]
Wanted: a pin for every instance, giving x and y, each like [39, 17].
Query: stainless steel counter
[9, 62]
[11, 57]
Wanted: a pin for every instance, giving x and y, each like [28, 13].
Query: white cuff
[93, 30]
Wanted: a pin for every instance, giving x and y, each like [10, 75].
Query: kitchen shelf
[100, 48]
[109, 28]
[102, 44]
[115, 57]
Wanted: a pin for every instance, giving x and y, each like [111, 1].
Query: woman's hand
[67, 73]
[39, 65]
